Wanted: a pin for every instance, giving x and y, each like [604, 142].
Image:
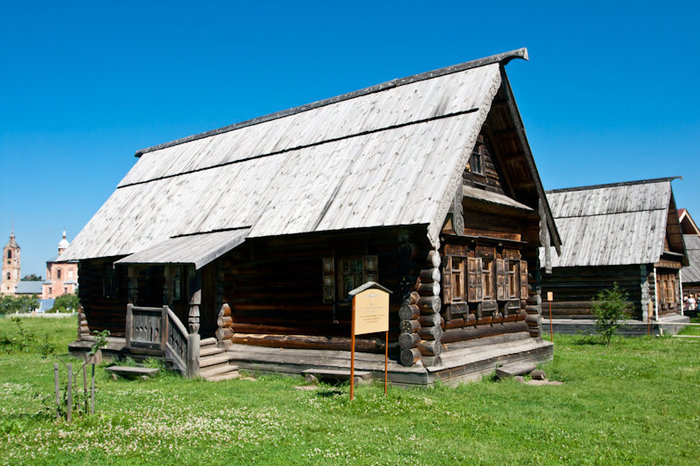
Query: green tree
[32, 278]
[611, 309]
[12, 304]
[66, 303]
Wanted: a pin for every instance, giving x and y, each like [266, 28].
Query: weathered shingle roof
[614, 224]
[691, 273]
[199, 249]
[389, 155]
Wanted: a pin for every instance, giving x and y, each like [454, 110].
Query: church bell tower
[10, 266]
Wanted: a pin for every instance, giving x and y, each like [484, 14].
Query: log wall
[574, 288]
[490, 178]
[275, 288]
[103, 311]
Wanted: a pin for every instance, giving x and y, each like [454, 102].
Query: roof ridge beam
[614, 185]
[610, 213]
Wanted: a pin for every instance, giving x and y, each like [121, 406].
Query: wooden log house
[626, 233]
[690, 274]
[424, 184]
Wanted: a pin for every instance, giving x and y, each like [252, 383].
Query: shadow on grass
[328, 393]
[589, 340]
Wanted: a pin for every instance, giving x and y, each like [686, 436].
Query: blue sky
[608, 94]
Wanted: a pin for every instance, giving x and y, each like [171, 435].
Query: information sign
[371, 311]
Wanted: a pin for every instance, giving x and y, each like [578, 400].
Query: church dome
[12, 243]
[63, 244]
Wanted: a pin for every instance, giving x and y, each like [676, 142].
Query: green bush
[66, 303]
[12, 304]
[610, 308]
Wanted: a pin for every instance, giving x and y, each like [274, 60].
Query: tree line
[24, 304]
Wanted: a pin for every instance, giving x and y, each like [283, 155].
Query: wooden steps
[316, 374]
[214, 363]
[131, 372]
[511, 370]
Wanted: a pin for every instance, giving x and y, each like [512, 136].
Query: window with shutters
[475, 280]
[670, 291]
[340, 276]
[513, 279]
[457, 265]
[523, 280]
[487, 279]
[501, 280]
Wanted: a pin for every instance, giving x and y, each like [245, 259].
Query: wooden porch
[156, 332]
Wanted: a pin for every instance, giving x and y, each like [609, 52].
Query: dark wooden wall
[102, 312]
[274, 287]
[575, 288]
[490, 178]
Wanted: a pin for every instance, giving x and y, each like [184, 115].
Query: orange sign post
[370, 314]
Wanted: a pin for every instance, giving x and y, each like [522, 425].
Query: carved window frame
[458, 271]
[513, 288]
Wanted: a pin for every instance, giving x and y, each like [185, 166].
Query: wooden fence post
[85, 387]
[69, 389]
[58, 390]
[193, 338]
[92, 392]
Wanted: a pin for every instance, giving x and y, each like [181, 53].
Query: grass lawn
[692, 329]
[636, 401]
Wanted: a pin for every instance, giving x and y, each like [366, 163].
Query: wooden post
[386, 360]
[352, 352]
[193, 338]
[370, 304]
[129, 324]
[164, 330]
[69, 389]
[550, 298]
[85, 387]
[92, 391]
[58, 391]
[544, 236]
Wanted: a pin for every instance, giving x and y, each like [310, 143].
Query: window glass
[457, 278]
[477, 162]
[352, 272]
[513, 279]
[487, 278]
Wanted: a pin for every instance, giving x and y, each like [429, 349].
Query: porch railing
[158, 329]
